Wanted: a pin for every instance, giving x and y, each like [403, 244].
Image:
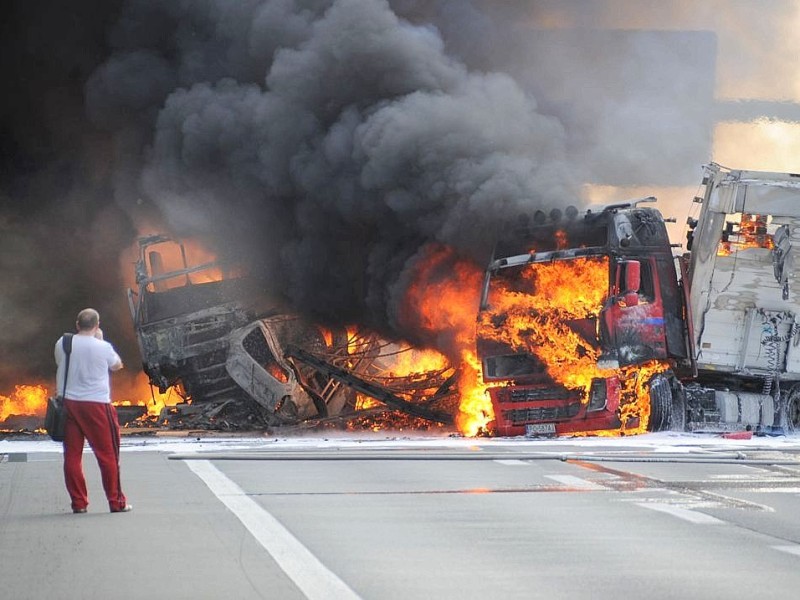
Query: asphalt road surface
[407, 519]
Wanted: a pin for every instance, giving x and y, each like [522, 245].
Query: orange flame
[364, 402]
[31, 400]
[443, 303]
[413, 375]
[139, 392]
[532, 312]
[276, 371]
[166, 257]
[752, 233]
[536, 313]
[475, 410]
[25, 400]
[327, 335]
[415, 361]
[561, 239]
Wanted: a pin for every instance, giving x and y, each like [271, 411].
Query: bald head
[88, 319]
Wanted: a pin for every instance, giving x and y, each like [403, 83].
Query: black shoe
[126, 508]
[79, 511]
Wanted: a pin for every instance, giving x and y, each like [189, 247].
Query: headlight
[604, 394]
[597, 395]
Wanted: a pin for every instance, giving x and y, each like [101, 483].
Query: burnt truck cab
[217, 337]
[183, 312]
[595, 297]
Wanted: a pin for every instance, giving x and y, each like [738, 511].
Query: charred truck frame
[220, 341]
[183, 317]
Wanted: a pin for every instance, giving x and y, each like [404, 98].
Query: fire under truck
[707, 340]
[214, 337]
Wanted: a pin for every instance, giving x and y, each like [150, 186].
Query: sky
[325, 144]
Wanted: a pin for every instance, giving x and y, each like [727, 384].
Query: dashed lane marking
[313, 578]
[793, 549]
[576, 482]
[697, 518]
[510, 461]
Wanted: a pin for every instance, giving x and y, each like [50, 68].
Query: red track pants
[96, 422]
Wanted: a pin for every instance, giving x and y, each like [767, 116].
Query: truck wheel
[678, 415]
[660, 404]
[793, 410]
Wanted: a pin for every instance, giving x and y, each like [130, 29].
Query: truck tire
[660, 404]
[678, 414]
[793, 410]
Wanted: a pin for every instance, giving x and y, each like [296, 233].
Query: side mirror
[633, 279]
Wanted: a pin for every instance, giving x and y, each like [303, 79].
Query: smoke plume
[324, 144]
[364, 142]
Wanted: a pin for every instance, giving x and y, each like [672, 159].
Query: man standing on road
[90, 414]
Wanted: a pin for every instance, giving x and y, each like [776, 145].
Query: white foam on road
[664, 442]
[313, 578]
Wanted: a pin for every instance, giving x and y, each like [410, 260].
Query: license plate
[540, 429]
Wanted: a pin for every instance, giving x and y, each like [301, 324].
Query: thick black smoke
[363, 142]
[60, 231]
[323, 143]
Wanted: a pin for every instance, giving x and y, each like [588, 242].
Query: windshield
[541, 318]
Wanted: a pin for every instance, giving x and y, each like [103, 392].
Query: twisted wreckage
[226, 350]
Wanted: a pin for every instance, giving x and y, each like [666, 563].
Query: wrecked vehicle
[182, 315]
[743, 309]
[215, 339]
[587, 324]
[582, 315]
[609, 336]
[300, 371]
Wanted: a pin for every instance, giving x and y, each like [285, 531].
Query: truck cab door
[632, 320]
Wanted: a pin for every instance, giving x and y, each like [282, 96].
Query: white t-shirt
[89, 364]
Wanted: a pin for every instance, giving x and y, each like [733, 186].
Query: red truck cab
[575, 312]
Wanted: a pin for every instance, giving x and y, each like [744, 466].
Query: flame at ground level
[31, 399]
[475, 411]
[634, 409]
[442, 305]
[139, 392]
[24, 400]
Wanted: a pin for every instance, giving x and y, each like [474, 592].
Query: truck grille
[538, 394]
[520, 416]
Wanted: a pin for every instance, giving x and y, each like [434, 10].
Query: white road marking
[308, 573]
[697, 518]
[510, 461]
[736, 476]
[576, 482]
[767, 490]
[795, 549]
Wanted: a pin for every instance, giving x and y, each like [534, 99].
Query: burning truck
[222, 344]
[588, 324]
[581, 326]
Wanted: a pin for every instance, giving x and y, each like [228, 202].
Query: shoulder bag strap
[66, 344]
